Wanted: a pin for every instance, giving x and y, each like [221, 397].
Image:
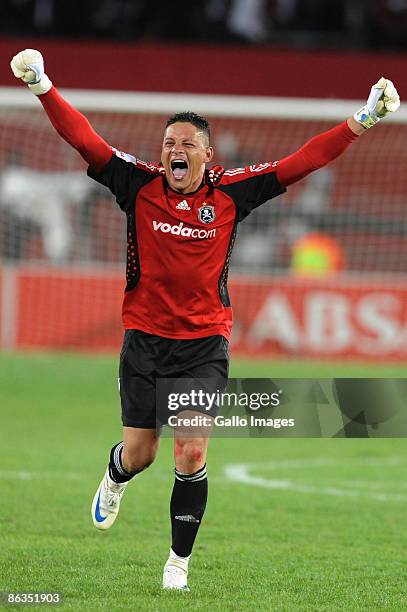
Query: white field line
[22, 475]
[327, 461]
[241, 473]
[388, 484]
[27, 476]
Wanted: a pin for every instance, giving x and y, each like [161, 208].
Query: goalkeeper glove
[28, 65]
[383, 99]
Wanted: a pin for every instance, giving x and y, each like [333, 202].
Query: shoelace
[113, 498]
[177, 571]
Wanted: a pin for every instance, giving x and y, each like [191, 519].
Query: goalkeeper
[181, 226]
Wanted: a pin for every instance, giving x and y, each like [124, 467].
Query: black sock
[116, 469]
[188, 502]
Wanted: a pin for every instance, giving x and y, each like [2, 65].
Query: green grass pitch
[335, 539]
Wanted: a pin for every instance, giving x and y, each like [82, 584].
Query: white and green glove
[28, 65]
[383, 99]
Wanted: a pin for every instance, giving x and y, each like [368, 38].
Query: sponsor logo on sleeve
[259, 167]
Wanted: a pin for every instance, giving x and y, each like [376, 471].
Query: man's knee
[190, 454]
[136, 459]
[139, 450]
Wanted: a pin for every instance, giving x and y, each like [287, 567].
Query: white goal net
[62, 239]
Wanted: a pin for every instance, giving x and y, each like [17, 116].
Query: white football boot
[175, 574]
[106, 503]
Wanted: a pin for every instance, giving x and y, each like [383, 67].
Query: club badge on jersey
[206, 214]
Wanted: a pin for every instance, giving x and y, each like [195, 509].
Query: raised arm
[315, 154]
[28, 65]
[325, 147]
[76, 129]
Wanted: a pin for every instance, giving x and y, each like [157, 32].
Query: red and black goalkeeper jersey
[179, 245]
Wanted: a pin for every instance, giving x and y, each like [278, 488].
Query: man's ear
[209, 154]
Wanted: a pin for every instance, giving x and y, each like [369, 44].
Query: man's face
[184, 154]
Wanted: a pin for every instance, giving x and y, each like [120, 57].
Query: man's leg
[193, 365]
[140, 442]
[127, 458]
[187, 507]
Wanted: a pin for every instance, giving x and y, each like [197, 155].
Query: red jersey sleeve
[125, 175]
[255, 184]
[249, 187]
[76, 129]
[315, 154]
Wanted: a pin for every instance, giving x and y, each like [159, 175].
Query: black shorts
[145, 358]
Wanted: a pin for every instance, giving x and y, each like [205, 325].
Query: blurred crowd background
[335, 24]
[76, 222]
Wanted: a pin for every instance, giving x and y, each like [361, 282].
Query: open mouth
[179, 169]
